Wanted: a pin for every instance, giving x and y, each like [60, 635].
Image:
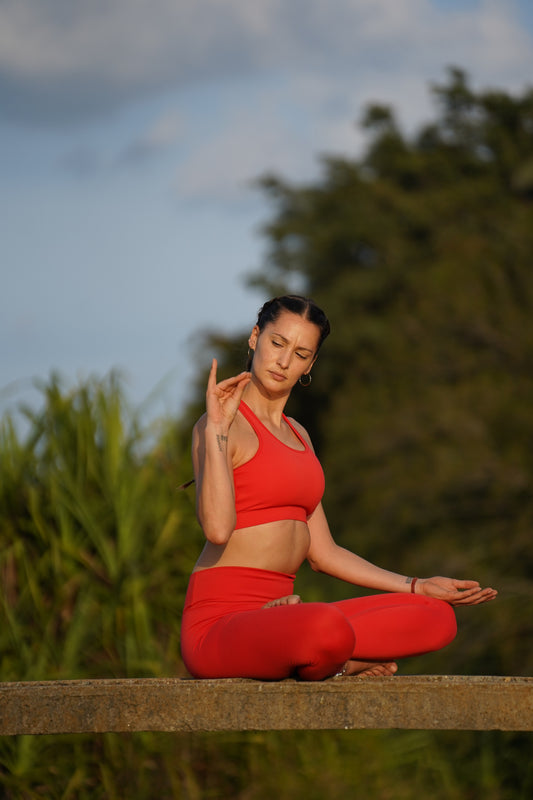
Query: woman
[259, 487]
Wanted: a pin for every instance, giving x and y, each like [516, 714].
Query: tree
[420, 407]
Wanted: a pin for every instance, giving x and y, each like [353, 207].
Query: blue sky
[132, 133]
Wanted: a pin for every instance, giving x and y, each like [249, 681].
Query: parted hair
[296, 304]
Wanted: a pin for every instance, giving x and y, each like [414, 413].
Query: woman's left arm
[326, 556]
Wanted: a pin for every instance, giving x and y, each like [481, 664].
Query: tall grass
[95, 541]
[95, 546]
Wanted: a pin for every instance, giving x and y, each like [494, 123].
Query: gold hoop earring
[306, 383]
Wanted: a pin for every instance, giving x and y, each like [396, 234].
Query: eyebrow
[307, 349]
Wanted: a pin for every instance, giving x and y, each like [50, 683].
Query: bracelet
[413, 582]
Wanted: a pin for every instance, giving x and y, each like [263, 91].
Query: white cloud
[262, 135]
[245, 145]
[126, 40]
[63, 60]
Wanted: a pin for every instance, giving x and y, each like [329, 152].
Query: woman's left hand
[455, 592]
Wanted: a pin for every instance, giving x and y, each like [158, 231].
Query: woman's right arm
[212, 457]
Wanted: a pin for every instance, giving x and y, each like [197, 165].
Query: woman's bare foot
[288, 600]
[372, 669]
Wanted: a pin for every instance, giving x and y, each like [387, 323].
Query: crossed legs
[314, 641]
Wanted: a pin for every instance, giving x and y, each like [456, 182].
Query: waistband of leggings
[238, 582]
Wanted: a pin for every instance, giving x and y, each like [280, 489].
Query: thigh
[395, 625]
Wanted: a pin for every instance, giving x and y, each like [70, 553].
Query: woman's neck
[264, 406]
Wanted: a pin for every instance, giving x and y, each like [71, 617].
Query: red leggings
[226, 632]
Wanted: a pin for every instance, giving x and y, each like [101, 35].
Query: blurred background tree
[420, 253]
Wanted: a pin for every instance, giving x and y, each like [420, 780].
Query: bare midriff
[279, 546]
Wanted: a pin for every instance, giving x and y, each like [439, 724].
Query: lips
[277, 376]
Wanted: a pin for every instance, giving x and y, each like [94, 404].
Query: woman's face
[284, 350]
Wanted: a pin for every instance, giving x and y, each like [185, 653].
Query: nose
[283, 359]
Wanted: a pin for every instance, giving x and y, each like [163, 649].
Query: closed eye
[302, 356]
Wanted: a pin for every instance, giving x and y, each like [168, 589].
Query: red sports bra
[278, 482]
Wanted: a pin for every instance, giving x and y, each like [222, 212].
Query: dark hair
[296, 304]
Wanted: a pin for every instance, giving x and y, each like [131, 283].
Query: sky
[133, 133]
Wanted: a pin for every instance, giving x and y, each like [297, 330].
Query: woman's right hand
[223, 399]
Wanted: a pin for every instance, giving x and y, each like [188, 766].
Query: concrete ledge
[174, 704]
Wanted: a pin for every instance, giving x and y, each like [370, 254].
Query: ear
[252, 341]
[313, 362]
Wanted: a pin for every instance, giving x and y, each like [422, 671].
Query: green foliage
[420, 411]
[93, 569]
[96, 544]
[301, 765]
[420, 252]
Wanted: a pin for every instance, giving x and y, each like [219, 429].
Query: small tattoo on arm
[221, 441]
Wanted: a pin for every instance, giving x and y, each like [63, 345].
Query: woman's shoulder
[301, 430]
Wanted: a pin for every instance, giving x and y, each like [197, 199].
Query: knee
[445, 623]
[332, 635]
[451, 623]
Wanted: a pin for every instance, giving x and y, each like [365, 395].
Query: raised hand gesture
[455, 592]
[222, 399]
